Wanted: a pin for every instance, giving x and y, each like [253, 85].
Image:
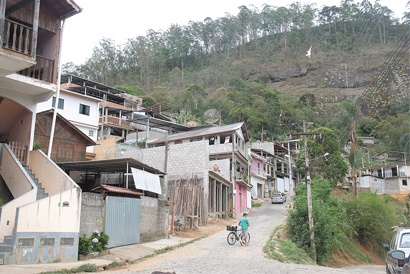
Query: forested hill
[253, 66]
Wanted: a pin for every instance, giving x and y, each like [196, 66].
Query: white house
[80, 109]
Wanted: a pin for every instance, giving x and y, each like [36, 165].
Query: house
[387, 172]
[91, 106]
[258, 176]
[30, 37]
[123, 197]
[70, 143]
[191, 154]
[278, 165]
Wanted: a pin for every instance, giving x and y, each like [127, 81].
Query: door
[122, 220]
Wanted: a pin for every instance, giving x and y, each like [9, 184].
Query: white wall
[71, 111]
[51, 214]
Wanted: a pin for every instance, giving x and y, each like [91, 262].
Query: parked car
[400, 255]
[278, 197]
[399, 242]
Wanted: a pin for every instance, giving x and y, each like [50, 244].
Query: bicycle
[233, 236]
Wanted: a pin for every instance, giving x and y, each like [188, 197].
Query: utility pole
[309, 188]
[309, 197]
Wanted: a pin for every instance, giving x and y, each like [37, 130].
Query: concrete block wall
[154, 219]
[224, 167]
[183, 159]
[92, 213]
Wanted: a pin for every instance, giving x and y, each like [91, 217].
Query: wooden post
[2, 20]
[35, 31]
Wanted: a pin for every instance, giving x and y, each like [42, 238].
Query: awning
[146, 181]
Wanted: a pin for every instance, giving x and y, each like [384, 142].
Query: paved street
[215, 255]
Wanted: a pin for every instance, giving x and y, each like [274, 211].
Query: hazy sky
[124, 19]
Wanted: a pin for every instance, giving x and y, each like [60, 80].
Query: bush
[95, 243]
[331, 225]
[371, 217]
[84, 245]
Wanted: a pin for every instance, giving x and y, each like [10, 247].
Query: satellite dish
[211, 116]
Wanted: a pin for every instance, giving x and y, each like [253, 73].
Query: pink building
[241, 197]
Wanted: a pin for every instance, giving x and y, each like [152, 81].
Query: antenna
[211, 116]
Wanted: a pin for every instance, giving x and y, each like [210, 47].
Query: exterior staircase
[40, 190]
[9, 242]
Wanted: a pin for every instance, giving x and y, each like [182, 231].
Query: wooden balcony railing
[114, 121]
[43, 70]
[17, 37]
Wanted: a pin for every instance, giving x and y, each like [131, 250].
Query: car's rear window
[277, 195]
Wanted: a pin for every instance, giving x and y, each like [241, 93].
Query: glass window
[91, 133]
[404, 182]
[405, 240]
[65, 151]
[60, 103]
[84, 109]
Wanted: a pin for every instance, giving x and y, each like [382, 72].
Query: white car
[400, 241]
[278, 197]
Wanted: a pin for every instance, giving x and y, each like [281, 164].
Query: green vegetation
[81, 269]
[285, 251]
[338, 223]
[95, 243]
[256, 204]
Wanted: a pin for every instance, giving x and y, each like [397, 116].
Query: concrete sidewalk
[121, 255]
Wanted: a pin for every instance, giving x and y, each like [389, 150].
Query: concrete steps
[40, 191]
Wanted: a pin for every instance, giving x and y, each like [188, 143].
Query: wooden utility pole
[309, 188]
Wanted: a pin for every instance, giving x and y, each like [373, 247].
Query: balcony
[16, 49]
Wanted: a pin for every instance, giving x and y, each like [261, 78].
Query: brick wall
[154, 218]
[92, 213]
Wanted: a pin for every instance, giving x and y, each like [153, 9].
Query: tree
[331, 167]
[148, 101]
[346, 122]
[197, 93]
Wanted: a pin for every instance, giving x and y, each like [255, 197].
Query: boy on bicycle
[244, 223]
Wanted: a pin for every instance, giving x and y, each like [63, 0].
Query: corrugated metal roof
[115, 189]
[205, 132]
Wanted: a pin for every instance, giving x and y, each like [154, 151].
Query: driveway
[215, 255]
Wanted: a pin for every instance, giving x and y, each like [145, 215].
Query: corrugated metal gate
[122, 220]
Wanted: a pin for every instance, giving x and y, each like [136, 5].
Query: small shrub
[86, 268]
[37, 146]
[84, 245]
[95, 243]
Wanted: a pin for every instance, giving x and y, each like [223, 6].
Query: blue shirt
[244, 223]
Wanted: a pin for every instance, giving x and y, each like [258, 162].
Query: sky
[123, 19]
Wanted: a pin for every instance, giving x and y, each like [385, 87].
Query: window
[65, 151]
[84, 109]
[60, 103]
[259, 168]
[404, 182]
[91, 133]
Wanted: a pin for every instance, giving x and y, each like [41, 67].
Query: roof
[114, 189]
[108, 165]
[89, 141]
[97, 90]
[158, 108]
[63, 8]
[207, 131]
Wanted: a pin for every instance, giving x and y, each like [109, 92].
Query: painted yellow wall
[13, 175]
[49, 214]
[52, 178]
[108, 145]
[8, 212]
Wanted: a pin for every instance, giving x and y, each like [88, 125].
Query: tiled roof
[114, 189]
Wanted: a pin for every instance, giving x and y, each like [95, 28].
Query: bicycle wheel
[247, 238]
[231, 238]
